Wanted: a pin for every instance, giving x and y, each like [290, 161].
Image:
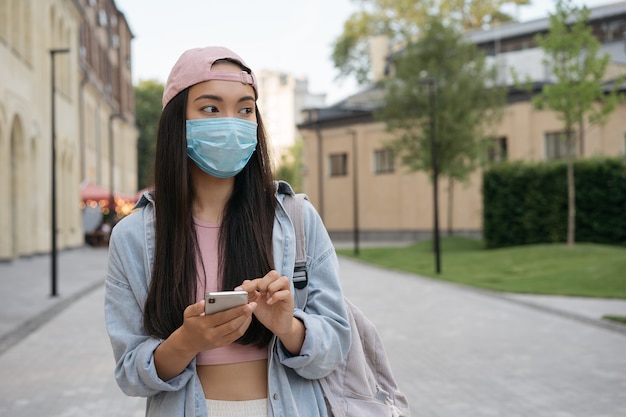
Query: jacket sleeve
[126, 289]
[327, 329]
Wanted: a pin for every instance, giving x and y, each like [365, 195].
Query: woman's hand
[274, 300]
[206, 332]
[200, 332]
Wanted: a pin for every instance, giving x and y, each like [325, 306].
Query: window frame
[384, 161]
[497, 149]
[338, 164]
[555, 145]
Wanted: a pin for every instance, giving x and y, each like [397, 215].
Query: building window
[384, 161]
[518, 44]
[338, 164]
[610, 30]
[102, 17]
[556, 145]
[497, 150]
[115, 41]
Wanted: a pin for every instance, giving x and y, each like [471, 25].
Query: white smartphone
[223, 300]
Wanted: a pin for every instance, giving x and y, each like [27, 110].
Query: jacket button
[275, 396]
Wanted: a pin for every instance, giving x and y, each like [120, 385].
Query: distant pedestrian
[215, 221]
[105, 229]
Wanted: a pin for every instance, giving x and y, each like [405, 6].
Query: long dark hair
[245, 238]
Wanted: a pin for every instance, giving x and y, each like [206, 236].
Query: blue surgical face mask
[221, 147]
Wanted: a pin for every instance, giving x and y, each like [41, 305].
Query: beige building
[358, 185]
[95, 134]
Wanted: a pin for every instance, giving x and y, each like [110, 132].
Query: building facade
[360, 189]
[87, 43]
[282, 97]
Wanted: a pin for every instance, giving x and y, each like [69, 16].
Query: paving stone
[456, 351]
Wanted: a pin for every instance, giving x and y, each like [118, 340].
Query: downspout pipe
[320, 170]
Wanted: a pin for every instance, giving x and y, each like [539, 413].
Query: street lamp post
[355, 192]
[53, 227]
[320, 169]
[432, 97]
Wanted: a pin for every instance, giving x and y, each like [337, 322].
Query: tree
[290, 167]
[468, 102]
[147, 112]
[401, 21]
[578, 90]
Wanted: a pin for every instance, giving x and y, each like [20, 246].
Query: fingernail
[239, 288]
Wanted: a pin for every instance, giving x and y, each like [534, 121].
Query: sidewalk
[25, 289]
[456, 351]
[26, 303]
[591, 310]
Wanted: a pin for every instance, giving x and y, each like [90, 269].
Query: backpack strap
[293, 206]
[366, 370]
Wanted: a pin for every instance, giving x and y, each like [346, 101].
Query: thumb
[193, 310]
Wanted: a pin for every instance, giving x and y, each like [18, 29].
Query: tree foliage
[147, 112]
[577, 93]
[572, 55]
[290, 166]
[401, 21]
[468, 101]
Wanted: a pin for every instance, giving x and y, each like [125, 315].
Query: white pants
[251, 408]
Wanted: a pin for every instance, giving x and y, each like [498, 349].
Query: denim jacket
[293, 389]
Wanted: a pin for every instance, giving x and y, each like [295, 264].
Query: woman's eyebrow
[218, 98]
[246, 98]
[209, 97]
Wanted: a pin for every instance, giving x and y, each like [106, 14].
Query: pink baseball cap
[194, 66]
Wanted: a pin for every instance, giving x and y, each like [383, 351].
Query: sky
[291, 36]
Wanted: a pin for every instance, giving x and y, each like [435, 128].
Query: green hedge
[526, 203]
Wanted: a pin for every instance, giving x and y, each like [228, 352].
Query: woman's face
[217, 98]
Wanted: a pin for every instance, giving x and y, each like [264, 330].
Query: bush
[526, 203]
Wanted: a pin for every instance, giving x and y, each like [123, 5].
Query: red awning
[90, 191]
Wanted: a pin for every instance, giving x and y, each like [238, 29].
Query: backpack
[363, 385]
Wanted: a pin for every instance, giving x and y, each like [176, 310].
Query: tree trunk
[450, 206]
[571, 190]
[581, 138]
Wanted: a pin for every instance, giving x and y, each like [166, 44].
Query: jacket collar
[147, 197]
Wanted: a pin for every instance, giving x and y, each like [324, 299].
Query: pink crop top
[208, 234]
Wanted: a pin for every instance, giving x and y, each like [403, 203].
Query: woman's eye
[210, 109]
[246, 110]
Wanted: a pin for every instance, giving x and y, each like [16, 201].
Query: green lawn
[588, 270]
[618, 319]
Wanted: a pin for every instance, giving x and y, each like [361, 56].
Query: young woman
[215, 221]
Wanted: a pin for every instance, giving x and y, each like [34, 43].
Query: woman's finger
[194, 310]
